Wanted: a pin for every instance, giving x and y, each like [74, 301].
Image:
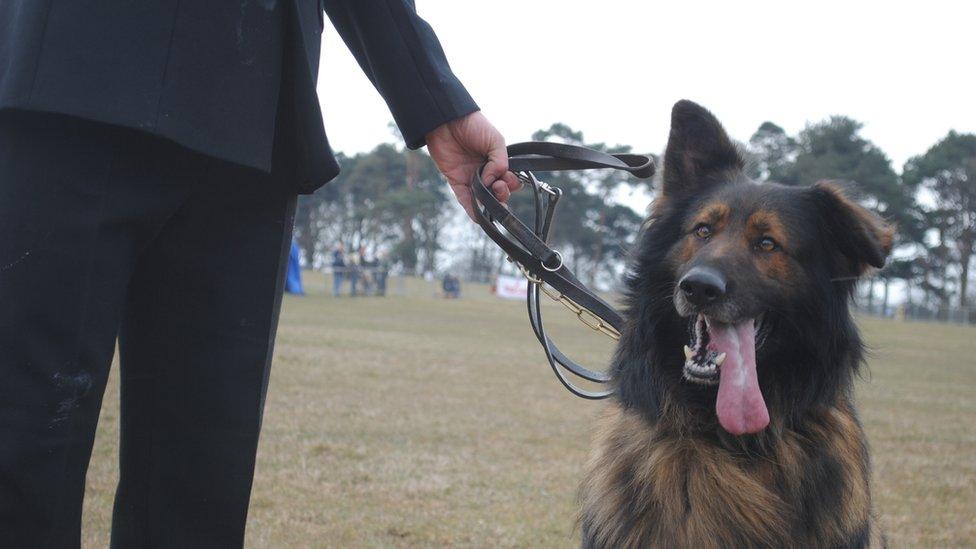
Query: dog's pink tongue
[740, 406]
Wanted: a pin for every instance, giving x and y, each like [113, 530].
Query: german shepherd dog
[733, 423]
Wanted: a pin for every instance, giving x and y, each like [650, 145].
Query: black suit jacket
[218, 75]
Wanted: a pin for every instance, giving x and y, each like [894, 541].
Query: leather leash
[543, 266]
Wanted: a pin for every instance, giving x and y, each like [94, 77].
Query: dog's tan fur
[659, 485]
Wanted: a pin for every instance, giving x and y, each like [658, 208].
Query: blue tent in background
[293, 282]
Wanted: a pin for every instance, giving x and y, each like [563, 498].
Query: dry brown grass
[414, 421]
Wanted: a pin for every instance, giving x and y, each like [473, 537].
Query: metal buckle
[530, 178]
[559, 263]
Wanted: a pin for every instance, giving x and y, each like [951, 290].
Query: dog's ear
[863, 239]
[698, 148]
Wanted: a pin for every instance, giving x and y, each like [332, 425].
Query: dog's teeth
[719, 359]
[688, 352]
[706, 369]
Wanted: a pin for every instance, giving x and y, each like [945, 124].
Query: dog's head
[744, 256]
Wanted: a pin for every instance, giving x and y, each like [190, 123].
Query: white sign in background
[511, 287]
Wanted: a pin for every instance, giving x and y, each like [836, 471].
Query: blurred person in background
[382, 272]
[354, 266]
[338, 269]
[451, 286]
[368, 264]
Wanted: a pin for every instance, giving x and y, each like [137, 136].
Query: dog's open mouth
[701, 363]
[725, 355]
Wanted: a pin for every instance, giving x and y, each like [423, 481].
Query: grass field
[415, 421]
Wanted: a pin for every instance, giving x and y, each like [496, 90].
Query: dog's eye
[766, 244]
[703, 231]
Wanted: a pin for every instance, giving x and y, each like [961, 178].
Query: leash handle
[543, 156]
[530, 156]
[541, 264]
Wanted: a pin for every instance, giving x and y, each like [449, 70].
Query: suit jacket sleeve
[403, 59]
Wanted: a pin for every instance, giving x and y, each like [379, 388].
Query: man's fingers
[513, 181]
[500, 190]
[497, 159]
[494, 170]
[501, 181]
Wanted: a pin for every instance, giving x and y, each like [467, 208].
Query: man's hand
[460, 147]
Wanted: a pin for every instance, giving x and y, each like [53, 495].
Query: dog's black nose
[702, 286]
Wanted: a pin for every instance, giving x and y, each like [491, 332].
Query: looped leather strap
[543, 156]
[530, 249]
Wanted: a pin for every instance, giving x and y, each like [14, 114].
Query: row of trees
[932, 201]
[389, 199]
[394, 200]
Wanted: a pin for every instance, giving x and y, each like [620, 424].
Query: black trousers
[108, 233]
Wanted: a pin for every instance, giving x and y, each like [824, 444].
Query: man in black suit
[150, 157]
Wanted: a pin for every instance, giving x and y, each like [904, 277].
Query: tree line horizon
[394, 200]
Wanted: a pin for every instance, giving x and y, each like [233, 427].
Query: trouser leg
[75, 206]
[195, 347]
[336, 283]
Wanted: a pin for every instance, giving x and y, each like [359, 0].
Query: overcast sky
[614, 68]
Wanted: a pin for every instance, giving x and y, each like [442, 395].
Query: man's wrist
[417, 140]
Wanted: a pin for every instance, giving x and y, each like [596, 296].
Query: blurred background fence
[920, 312]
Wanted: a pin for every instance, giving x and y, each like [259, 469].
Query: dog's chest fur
[648, 486]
